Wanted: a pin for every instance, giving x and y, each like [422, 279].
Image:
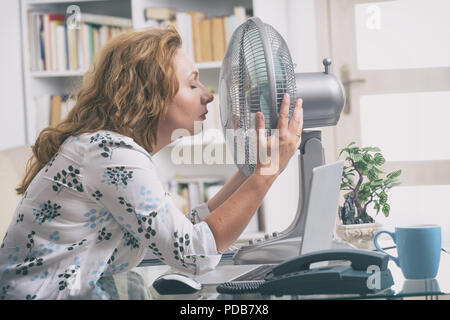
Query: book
[217, 38]
[53, 43]
[227, 29]
[61, 47]
[95, 40]
[196, 17]
[52, 20]
[72, 51]
[55, 111]
[45, 34]
[205, 40]
[98, 19]
[85, 46]
[39, 54]
[33, 39]
[52, 109]
[91, 42]
[240, 15]
[184, 27]
[159, 13]
[67, 104]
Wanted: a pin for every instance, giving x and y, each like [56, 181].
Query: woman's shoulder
[104, 136]
[105, 141]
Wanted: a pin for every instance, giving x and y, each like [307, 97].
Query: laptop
[319, 226]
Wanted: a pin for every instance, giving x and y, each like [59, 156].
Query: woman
[92, 201]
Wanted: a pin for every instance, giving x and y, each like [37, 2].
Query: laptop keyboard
[256, 274]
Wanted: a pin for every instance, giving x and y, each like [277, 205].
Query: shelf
[57, 74]
[80, 73]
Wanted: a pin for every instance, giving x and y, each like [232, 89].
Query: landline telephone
[296, 277]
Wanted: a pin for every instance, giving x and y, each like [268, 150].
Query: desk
[136, 284]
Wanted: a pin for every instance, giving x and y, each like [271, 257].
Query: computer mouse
[176, 283]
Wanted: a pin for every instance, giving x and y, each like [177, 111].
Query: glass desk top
[136, 284]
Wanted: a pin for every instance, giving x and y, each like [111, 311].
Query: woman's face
[189, 104]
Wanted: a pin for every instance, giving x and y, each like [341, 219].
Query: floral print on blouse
[92, 212]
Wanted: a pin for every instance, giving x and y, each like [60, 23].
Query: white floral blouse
[92, 212]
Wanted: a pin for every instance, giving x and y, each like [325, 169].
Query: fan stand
[282, 246]
[311, 155]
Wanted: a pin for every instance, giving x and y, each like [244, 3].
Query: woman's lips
[203, 116]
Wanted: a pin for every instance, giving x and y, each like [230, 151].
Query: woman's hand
[275, 151]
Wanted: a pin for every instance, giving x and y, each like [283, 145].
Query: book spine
[195, 21]
[98, 19]
[41, 52]
[80, 42]
[95, 39]
[72, 48]
[239, 13]
[227, 30]
[54, 19]
[184, 27]
[205, 40]
[217, 38]
[159, 13]
[31, 41]
[46, 39]
[61, 47]
[55, 113]
[53, 46]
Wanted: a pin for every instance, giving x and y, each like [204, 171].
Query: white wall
[296, 22]
[12, 116]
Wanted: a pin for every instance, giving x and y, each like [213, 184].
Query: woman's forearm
[229, 220]
[226, 191]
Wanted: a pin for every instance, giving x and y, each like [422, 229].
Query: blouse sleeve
[124, 180]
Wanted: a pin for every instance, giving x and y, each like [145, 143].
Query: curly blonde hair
[126, 90]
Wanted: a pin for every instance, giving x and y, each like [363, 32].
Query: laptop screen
[322, 207]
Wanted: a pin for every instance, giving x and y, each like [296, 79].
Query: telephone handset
[360, 260]
[296, 276]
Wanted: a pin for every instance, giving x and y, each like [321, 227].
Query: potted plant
[365, 185]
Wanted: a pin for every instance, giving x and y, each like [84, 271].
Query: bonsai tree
[363, 180]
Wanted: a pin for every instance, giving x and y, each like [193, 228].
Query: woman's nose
[207, 97]
[210, 98]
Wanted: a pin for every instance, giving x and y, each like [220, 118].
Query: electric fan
[256, 72]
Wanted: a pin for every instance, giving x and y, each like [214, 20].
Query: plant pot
[360, 235]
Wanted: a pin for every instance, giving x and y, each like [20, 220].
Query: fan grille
[284, 68]
[246, 86]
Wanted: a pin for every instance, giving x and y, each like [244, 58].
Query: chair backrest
[12, 170]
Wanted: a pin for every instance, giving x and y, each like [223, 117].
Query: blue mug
[418, 249]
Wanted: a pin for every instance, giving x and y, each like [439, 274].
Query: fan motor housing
[323, 98]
